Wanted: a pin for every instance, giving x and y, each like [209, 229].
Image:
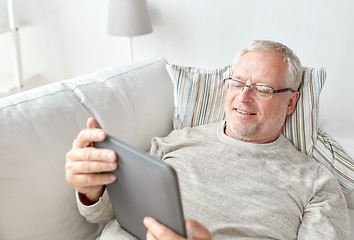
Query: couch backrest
[133, 102]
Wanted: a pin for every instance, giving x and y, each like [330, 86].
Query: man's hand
[158, 231]
[85, 164]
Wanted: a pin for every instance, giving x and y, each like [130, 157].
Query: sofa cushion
[133, 102]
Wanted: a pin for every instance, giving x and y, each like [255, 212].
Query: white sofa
[133, 102]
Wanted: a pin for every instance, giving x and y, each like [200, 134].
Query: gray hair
[295, 70]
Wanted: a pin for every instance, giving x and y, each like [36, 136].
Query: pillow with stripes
[328, 152]
[198, 95]
[199, 99]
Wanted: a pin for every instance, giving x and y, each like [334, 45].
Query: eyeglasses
[256, 90]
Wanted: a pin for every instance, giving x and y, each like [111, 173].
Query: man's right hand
[85, 164]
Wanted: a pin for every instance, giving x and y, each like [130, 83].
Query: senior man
[240, 178]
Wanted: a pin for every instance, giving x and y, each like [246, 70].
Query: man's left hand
[157, 230]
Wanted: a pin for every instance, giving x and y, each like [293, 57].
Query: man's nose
[245, 94]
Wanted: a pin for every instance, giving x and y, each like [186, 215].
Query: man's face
[255, 119]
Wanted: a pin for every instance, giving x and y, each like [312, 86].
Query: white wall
[67, 38]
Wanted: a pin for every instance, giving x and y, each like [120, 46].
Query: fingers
[197, 230]
[95, 167]
[93, 133]
[85, 164]
[87, 136]
[90, 182]
[158, 231]
[91, 154]
[150, 236]
[93, 123]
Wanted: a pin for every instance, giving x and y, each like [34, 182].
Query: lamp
[128, 18]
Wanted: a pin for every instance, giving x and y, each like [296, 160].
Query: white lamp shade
[128, 18]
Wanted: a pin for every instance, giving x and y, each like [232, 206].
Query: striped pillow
[199, 99]
[199, 95]
[301, 126]
[328, 152]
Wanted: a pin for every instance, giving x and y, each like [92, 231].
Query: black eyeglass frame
[249, 86]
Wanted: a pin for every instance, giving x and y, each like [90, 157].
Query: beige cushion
[38, 127]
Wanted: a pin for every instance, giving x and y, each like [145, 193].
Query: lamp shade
[128, 18]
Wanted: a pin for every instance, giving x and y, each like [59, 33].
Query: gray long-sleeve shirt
[241, 190]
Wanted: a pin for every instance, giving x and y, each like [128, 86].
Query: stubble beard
[245, 134]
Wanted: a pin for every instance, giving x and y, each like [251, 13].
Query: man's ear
[292, 102]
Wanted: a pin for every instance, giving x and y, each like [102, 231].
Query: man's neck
[251, 139]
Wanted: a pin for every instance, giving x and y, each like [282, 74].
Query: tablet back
[145, 186]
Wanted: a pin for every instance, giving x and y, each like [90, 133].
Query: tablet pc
[145, 186]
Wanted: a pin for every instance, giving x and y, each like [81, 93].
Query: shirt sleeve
[101, 211]
[159, 146]
[326, 215]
